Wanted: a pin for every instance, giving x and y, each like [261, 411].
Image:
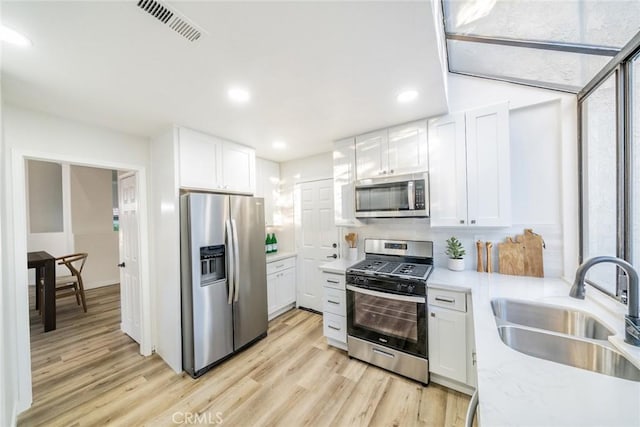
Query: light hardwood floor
[87, 372]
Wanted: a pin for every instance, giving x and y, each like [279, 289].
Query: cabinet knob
[433, 315]
[384, 172]
[473, 221]
[462, 221]
[335, 245]
[391, 171]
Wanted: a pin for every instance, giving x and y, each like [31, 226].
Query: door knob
[121, 265]
[334, 256]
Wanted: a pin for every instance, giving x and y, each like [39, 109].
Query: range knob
[410, 288]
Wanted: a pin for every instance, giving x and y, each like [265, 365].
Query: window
[547, 43]
[609, 108]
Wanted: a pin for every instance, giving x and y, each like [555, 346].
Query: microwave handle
[411, 192]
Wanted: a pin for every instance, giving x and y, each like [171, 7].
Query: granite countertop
[279, 256]
[520, 390]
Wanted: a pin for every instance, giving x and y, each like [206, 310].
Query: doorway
[19, 213]
[317, 238]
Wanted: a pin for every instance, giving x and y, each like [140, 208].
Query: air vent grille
[177, 23]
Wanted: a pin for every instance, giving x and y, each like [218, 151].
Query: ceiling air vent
[166, 15]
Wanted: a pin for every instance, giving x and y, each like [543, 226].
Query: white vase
[455, 264]
[353, 254]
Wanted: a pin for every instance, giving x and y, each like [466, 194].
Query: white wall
[92, 225]
[165, 217]
[29, 134]
[311, 168]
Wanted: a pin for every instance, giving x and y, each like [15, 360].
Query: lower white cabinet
[281, 286]
[451, 353]
[334, 309]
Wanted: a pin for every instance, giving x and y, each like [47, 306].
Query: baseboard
[282, 310]
[452, 384]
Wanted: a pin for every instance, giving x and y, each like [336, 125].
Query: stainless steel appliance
[224, 281]
[398, 196]
[387, 306]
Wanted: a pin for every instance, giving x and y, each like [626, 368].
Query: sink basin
[551, 318]
[583, 354]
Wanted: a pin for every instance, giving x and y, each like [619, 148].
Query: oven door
[395, 321]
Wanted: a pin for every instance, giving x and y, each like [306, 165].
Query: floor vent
[166, 15]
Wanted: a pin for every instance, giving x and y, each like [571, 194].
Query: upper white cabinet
[395, 151]
[408, 150]
[268, 187]
[469, 169]
[210, 163]
[344, 178]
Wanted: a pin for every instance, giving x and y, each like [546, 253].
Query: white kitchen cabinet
[334, 309]
[372, 158]
[469, 169]
[408, 148]
[210, 163]
[451, 341]
[395, 151]
[344, 179]
[268, 187]
[281, 286]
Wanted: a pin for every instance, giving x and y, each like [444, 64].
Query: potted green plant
[455, 251]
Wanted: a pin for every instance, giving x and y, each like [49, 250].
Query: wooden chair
[72, 284]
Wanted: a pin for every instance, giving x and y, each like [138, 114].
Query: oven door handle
[407, 298]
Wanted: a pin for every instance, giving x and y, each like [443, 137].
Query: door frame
[18, 199]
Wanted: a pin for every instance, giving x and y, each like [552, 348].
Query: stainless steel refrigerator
[224, 281]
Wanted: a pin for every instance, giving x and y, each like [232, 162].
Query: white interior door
[316, 239]
[129, 256]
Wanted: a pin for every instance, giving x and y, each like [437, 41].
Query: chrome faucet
[632, 321]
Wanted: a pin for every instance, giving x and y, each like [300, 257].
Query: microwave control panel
[419, 189]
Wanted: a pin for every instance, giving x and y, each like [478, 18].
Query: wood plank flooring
[87, 372]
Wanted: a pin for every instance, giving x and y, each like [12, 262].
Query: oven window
[386, 317]
[386, 197]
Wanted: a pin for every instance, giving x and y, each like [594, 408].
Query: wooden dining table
[45, 265]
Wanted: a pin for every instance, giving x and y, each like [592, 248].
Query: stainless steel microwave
[393, 197]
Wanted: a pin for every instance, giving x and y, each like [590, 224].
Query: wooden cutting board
[533, 245]
[511, 257]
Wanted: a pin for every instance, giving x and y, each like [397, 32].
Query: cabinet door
[238, 168]
[371, 155]
[488, 166]
[448, 171]
[272, 285]
[199, 160]
[448, 343]
[408, 148]
[344, 178]
[286, 291]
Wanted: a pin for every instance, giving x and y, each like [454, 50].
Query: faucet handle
[632, 330]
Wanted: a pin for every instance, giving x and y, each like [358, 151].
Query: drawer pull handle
[383, 353]
[449, 300]
[332, 281]
[279, 265]
[334, 328]
[333, 302]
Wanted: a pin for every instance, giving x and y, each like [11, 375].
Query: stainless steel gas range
[387, 306]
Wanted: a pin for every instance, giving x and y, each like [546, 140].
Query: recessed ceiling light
[238, 94]
[12, 36]
[407, 96]
[279, 145]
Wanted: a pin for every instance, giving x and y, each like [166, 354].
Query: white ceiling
[317, 71]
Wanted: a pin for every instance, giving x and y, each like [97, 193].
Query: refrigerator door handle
[236, 257]
[230, 275]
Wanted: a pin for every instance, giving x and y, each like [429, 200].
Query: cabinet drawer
[452, 300]
[333, 280]
[335, 301]
[275, 266]
[335, 327]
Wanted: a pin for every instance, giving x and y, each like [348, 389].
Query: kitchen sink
[551, 318]
[580, 353]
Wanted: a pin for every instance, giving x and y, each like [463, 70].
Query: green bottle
[274, 242]
[267, 244]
